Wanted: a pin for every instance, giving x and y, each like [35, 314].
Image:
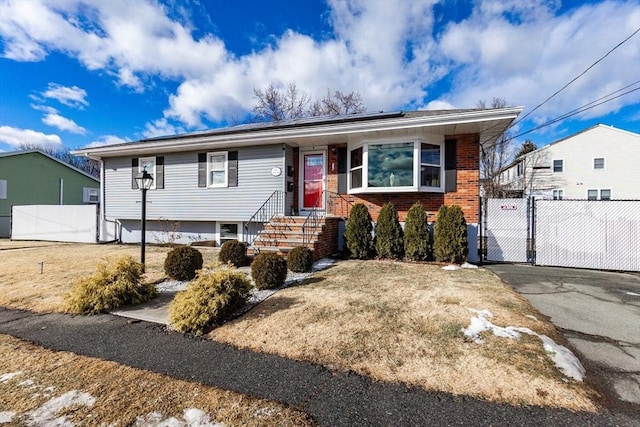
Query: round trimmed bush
[113, 285]
[182, 263]
[212, 297]
[300, 259]
[268, 270]
[234, 252]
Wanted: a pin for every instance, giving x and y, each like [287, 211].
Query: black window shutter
[232, 159]
[202, 169]
[134, 173]
[159, 178]
[342, 170]
[450, 160]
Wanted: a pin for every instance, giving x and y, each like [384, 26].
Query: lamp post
[144, 181]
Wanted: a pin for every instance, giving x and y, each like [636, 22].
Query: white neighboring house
[598, 163]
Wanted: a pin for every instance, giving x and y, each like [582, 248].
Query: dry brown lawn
[401, 322]
[121, 394]
[23, 286]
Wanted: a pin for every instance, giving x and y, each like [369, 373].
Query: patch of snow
[632, 293]
[6, 417]
[451, 267]
[27, 383]
[6, 377]
[468, 265]
[564, 359]
[171, 286]
[46, 414]
[561, 356]
[531, 317]
[192, 418]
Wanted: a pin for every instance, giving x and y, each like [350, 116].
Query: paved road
[599, 314]
[331, 398]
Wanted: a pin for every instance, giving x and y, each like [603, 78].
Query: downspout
[61, 202]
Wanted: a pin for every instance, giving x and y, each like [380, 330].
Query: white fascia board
[276, 136]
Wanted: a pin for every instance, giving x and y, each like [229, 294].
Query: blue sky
[75, 73]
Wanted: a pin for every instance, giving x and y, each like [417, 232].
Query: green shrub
[182, 263]
[212, 297]
[268, 270]
[450, 235]
[234, 252]
[300, 259]
[389, 235]
[417, 235]
[114, 284]
[357, 236]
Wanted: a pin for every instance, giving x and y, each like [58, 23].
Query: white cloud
[106, 140]
[70, 96]
[16, 137]
[385, 49]
[161, 127]
[56, 120]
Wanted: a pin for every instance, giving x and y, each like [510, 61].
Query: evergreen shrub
[417, 234]
[450, 235]
[114, 284]
[212, 297]
[389, 234]
[300, 259]
[182, 263]
[358, 234]
[269, 270]
[234, 252]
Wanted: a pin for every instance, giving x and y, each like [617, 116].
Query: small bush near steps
[182, 263]
[268, 270]
[358, 236]
[113, 285]
[234, 252]
[300, 259]
[212, 297]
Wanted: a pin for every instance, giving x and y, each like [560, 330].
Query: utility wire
[575, 78]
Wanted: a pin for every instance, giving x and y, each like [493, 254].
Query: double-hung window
[386, 166]
[558, 194]
[558, 165]
[520, 168]
[217, 169]
[598, 163]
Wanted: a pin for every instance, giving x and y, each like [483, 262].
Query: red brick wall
[465, 196]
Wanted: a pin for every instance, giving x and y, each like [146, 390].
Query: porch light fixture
[144, 181]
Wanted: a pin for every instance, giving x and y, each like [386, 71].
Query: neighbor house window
[217, 169]
[605, 194]
[90, 195]
[598, 163]
[3, 188]
[520, 169]
[396, 166]
[592, 194]
[558, 165]
[558, 194]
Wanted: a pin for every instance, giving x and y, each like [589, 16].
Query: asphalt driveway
[599, 314]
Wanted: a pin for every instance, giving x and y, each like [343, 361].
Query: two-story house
[599, 163]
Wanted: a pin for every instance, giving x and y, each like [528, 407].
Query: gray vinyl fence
[56, 223]
[593, 234]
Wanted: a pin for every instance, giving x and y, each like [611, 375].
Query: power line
[575, 78]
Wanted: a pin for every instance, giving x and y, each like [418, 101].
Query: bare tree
[273, 104]
[85, 164]
[527, 147]
[338, 103]
[493, 158]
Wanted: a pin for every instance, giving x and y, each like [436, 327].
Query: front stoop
[283, 233]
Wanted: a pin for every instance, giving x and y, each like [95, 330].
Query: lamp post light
[144, 181]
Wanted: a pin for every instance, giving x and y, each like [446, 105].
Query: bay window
[396, 166]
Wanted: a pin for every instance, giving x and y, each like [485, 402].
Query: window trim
[226, 169]
[142, 160]
[553, 167]
[604, 163]
[417, 165]
[239, 236]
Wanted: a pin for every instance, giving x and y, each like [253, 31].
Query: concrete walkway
[599, 314]
[332, 398]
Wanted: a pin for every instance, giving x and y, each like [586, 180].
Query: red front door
[312, 180]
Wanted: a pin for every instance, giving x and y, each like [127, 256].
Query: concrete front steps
[283, 233]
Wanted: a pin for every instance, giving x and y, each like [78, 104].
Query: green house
[32, 177]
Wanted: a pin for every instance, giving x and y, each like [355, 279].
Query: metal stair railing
[273, 206]
[311, 224]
